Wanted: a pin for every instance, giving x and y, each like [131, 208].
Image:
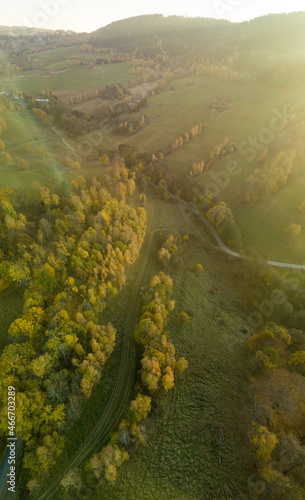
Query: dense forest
[69, 255]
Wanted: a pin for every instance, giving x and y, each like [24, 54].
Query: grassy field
[79, 77]
[186, 102]
[47, 57]
[91, 105]
[23, 130]
[50, 58]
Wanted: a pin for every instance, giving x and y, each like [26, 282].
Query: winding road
[223, 246]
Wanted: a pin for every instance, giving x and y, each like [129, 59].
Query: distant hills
[281, 33]
[155, 23]
[17, 31]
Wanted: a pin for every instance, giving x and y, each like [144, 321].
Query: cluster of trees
[7, 67]
[293, 230]
[197, 169]
[220, 151]
[187, 137]
[116, 112]
[120, 180]
[145, 71]
[2, 123]
[20, 162]
[76, 124]
[278, 425]
[102, 468]
[73, 121]
[158, 360]
[221, 104]
[168, 250]
[16, 160]
[217, 153]
[114, 91]
[106, 55]
[267, 181]
[221, 218]
[69, 261]
[69, 162]
[289, 77]
[110, 92]
[302, 206]
[127, 126]
[79, 98]
[43, 116]
[221, 70]
[273, 295]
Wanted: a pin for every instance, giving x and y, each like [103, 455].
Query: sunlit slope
[26, 138]
[255, 108]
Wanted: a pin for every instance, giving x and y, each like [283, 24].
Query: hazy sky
[80, 15]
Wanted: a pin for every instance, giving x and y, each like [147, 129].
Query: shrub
[184, 318]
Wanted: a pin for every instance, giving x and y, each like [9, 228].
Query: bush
[184, 318]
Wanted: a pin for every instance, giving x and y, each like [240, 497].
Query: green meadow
[25, 130]
[79, 77]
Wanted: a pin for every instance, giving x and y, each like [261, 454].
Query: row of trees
[110, 92]
[221, 150]
[197, 169]
[187, 137]
[158, 360]
[217, 153]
